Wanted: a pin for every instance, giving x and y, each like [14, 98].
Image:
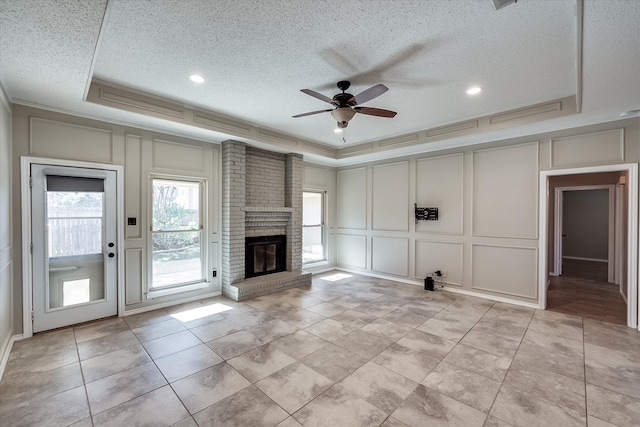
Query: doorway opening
[588, 243]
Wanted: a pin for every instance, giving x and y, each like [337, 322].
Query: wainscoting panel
[63, 140]
[134, 275]
[180, 157]
[351, 251]
[390, 255]
[505, 192]
[391, 197]
[588, 149]
[505, 270]
[439, 184]
[134, 191]
[315, 177]
[352, 199]
[444, 256]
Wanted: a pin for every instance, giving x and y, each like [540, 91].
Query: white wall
[486, 237]
[6, 247]
[46, 134]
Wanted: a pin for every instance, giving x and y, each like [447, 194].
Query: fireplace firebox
[265, 255]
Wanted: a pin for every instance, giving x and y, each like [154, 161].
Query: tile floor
[353, 352]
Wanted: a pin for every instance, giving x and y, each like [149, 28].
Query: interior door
[74, 245]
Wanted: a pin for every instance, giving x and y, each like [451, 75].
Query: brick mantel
[261, 195]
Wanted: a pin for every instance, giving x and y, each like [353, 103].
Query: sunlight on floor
[200, 312]
[336, 277]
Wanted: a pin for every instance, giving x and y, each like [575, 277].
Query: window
[177, 234]
[312, 227]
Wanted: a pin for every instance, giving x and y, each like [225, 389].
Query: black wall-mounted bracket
[425, 214]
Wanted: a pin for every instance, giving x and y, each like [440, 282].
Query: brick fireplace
[261, 196]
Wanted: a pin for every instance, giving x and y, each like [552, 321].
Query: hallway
[583, 291]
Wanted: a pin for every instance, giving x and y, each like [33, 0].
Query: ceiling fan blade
[311, 113]
[378, 112]
[369, 94]
[315, 94]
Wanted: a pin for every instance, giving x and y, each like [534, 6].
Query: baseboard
[7, 351]
[169, 304]
[577, 258]
[449, 287]
[624, 298]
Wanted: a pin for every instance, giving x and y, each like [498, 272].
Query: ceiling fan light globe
[342, 125]
[343, 114]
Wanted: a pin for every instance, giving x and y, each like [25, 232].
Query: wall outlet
[214, 273]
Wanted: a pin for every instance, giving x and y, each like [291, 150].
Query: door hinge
[31, 248]
[30, 182]
[32, 315]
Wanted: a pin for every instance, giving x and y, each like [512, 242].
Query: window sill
[156, 293]
[313, 264]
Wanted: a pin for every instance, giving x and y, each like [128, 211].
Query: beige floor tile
[248, 407]
[112, 363]
[522, 409]
[479, 361]
[158, 330]
[186, 362]
[491, 343]
[612, 407]
[106, 344]
[214, 330]
[161, 347]
[464, 386]
[234, 344]
[427, 407]
[339, 407]
[160, 407]
[294, 386]
[379, 386]
[116, 389]
[363, 343]
[204, 388]
[432, 345]
[410, 363]
[65, 408]
[334, 362]
[99, 329]
[261, 362]
[299, 344]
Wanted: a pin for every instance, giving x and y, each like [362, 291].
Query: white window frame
[204, 282]
[322, 224]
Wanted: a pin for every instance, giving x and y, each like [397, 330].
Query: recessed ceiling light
[474, 90]
[196, 78]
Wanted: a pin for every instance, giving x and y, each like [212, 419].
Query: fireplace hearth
[265, 255]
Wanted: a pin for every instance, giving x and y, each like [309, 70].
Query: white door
[73, 220]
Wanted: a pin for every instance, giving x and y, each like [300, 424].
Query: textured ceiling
[257, 55]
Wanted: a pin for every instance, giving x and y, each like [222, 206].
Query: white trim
[27, 261]
[159, 292]
[632, 232]
[7, 352]
[577, 258]
[558, 226]
[170, 304]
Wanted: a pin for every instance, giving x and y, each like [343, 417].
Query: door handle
[111, 254]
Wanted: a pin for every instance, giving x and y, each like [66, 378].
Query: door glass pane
[176, 258]
[74, 246]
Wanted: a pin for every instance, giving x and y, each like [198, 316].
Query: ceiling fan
[347, 105]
